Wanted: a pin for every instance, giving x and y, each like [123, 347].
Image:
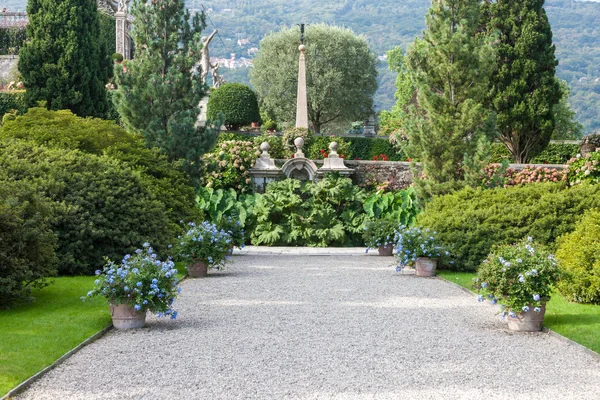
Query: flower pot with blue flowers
[379, 234]
[138, 284]
[418, 247]
[204, 246]
[520, 277]
[234, 228]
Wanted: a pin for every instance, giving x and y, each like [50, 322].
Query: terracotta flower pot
[425, 266]
[198, 269]
[529, 321]
[385, 250]
[125, 317]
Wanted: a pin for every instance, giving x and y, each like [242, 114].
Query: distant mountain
[389, 23]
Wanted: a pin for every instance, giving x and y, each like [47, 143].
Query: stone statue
[205, 60]
[217, 79]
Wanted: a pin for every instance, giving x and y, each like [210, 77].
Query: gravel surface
[308, 327]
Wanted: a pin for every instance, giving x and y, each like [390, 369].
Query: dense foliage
[65, 60]
[554, 153]
[450, 66]
[523, 87]
[159, 90]
[579, 255]
[102, 206]
[65, 130]
[341, 76]
[472, 221]
[12, 101]
[238, 104]
[27, 242]
[12, 39]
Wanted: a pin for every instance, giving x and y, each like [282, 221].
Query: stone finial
[333, 146]
[301, 48]
[265, 147]
[299, 142]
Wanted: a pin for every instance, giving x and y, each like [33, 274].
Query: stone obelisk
[302, 102]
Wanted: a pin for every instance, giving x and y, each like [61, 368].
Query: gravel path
[308, 327]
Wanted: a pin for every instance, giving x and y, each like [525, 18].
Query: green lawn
[34, 335]
[578, 322]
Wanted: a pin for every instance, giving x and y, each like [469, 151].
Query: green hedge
[65, 130]
[367, 148]
[471, 221]
[103, 207]
[26, 241]
[11, 39]
[555, 153]
[579, 256]
[12, 101]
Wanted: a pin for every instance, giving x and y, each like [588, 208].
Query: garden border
[29, 381]
[544, 329]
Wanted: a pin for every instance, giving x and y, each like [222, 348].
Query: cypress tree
[64, 61]
[159, 90]
[523, 90]
[450, 67]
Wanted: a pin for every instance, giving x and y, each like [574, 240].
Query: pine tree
[523, 90]
[160, 89]
[64, 62]
[449, 67]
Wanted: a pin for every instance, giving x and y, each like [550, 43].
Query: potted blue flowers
[520, 278]
[138, 284]
[204, 246]
[379, 234]
[420, 248]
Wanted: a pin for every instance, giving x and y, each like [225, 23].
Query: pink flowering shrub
[584, 169]
[228, 164]
[529, 174]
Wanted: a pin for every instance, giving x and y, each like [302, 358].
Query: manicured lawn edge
[25, 384]
[544, 329]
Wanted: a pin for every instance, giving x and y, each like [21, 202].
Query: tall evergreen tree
[449, 66]
[160, 89]
[524, 90]
[64, 61]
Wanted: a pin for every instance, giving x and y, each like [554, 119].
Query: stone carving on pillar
[300, 167]
[264, 170]
[123, 45]
[217, 78]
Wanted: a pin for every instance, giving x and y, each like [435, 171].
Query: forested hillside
[389, 23]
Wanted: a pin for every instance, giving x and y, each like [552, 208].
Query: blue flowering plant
[204, 242]
[141, 281]
[519, 277]
[412, 243]
[234, 228]
[379, 232]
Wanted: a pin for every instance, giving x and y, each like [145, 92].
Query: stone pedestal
[334, 163]
[264, 170]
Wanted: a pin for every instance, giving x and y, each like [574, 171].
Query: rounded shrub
[102, 206]
[26, 241]
[228, 164]
[65, 130]
[579, 255]
[237, 102]
[472, 221]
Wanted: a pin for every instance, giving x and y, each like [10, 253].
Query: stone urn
[386, 249]
[530, 321]
[198, 269]
[125, 317]
[425, 266]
